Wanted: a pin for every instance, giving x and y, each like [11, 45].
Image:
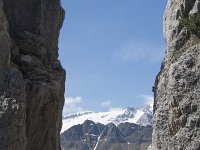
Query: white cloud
[71, 105]
[106, 104]
[148, 99]
[134, 51]
[72, 101]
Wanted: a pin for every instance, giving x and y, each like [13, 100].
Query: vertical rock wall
[177, 87]
[31, 76]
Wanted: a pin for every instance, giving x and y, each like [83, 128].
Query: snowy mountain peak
[74, 115]
[141, 116]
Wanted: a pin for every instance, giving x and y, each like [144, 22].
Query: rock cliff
[96, 136]
[177, 87]
[31, 76]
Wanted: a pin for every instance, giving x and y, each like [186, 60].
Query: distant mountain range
[97, 136]
[140, 116]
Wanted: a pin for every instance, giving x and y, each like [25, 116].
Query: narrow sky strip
[112, 51]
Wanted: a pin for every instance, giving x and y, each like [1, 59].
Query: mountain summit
[96, 136]
[140, 116]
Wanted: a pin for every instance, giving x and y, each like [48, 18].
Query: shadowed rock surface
[31, 76]
[177, 88]
[92, 136]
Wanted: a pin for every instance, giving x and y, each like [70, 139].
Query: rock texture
[177, 87]
[31, 76]
[96, 136]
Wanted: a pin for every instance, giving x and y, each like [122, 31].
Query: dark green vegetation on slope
[191, 22]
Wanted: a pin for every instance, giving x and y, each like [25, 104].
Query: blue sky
[112, 51]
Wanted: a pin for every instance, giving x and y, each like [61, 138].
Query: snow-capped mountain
[141, 116]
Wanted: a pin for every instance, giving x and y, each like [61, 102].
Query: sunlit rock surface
[176, 123]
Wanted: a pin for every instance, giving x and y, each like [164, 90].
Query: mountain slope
[141, 116]
[92, 136]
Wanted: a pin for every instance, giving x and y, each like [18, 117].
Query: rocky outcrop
[96, 136]
[177, 87]
[31, 76]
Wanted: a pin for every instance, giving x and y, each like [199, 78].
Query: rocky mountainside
[177, 87]
[141, 116]
[96, 136]
[31, 76]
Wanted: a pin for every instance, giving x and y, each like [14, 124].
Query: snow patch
[131, 115]
[99, 137]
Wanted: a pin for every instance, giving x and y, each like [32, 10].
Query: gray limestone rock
[31, 77]
[176, 123]
[96, 136]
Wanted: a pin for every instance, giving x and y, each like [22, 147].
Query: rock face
[177, 87]
[31, 76]
[96, 136]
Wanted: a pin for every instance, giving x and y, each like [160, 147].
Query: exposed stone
[96, 136]
[177, 86]
[31, 77]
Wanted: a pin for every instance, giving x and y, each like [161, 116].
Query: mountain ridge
[141, 116]
[96, 136]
